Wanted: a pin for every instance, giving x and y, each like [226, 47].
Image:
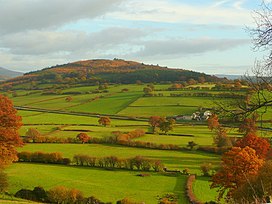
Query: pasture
[133, 110]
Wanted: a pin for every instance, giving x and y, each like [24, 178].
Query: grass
[111, 104]
[163, 111]
[202, 189]
[176, 101]
[106, 185]
[172, 159]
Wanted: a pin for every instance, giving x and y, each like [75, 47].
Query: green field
[104, 184]
[172, 159]
[134, 110]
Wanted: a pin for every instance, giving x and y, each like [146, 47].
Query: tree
[10, 123]
[220, 138]
[104, 120]
[61, 194]
[33, 133]
[213, 122]
[238, 165]
[260, 78]
[83, 137]
[260, 145]
[166, 124]
[206, 168]
[147, 91]
[258, 188]
[191, 144]
[154, 122]
[249, 125]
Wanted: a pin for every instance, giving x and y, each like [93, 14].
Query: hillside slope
[9, 73]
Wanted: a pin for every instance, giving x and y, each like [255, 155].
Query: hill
[7, 74]
[110, 71]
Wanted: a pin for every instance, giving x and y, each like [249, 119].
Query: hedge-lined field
[104, 184]
[171, 159]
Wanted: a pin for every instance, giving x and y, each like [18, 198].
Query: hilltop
[110, 71]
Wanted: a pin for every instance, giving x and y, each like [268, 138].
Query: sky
[207, 36]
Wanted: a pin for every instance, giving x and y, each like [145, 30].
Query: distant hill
[229, 76]
[6, 74]
[110, 71]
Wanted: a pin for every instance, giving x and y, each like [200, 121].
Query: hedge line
[135, 163]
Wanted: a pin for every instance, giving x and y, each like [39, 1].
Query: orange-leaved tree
[10, 123]
[238, 165]
[260, 145]
[83, 137]
[104, 120]
[213, 122]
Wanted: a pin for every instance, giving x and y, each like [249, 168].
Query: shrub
[206, 168]
[61, 194]
[26, 194]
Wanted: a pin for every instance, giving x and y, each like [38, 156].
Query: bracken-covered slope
[112, 71]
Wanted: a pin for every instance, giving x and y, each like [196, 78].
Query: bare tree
[259, 96]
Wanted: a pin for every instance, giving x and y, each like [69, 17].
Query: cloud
[66, 42]
[23, 15]
[166, 11]
[176, 47]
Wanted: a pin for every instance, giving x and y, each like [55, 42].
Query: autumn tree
[220, 137]
[237, 166]
[61, 194]
[104, 120]
[257, 188]
[154, 122]
[10, 123]
[33, 133]
[213, 122]
[83, 137]
[260, 145]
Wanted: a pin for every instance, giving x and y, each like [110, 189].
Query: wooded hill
[111, 71]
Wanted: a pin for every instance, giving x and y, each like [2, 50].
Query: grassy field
[172, 159]
[104, 184]
[201, 189]
[113, 185]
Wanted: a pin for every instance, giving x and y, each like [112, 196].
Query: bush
[26, 194]
[206, 168]
[61, 194]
